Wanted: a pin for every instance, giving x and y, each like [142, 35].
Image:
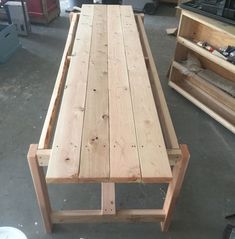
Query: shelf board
[224, 98]
[217, 60]
[210, 22]
[204, 101]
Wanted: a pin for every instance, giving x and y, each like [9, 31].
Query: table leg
[175, 187]
[108, 199]
[40, 187]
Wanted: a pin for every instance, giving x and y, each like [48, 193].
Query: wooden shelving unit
[211, 99]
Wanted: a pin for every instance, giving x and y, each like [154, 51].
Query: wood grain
[95, 140]
[160, 101]
[65, 155]
[152, 150]
[124, 159]
[40, 187]
[174, 187]
[96, 216]
[52, 113]
[205, 102]
[108, 199]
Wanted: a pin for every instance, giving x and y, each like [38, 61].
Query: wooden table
[108, 120]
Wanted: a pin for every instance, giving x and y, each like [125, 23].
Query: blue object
[232, 236]
[9, 42]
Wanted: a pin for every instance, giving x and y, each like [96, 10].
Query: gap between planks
[161, 105]
[150, 143]
[114, 166]
[65, 160]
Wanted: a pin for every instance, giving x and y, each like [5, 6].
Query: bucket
[11, 233]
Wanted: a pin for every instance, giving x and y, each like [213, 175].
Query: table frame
[39, 154]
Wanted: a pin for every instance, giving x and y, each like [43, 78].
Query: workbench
[108, 120]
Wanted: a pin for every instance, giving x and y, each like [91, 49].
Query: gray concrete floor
[26, 83]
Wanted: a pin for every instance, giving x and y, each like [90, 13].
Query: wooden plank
[210, 22]
[52, 112]
[96, 216]
[212, 90]
[40, 187]
[43, 156]
[201, 51]
[108, 199]
[174, 187]
[65, 156]
[195, 95]
[174, 156]
[181, 54]
[187, 27]
[219, 38]
[212, 102]
[152, 150]
[124, 159]
[95, 140]
[163, 112]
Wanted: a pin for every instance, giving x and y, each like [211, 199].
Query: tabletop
[108, 126]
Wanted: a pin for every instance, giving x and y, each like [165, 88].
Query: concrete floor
[26, 83]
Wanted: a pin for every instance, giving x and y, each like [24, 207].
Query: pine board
[108, 128]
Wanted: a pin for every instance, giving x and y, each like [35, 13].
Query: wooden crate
[100, 145]
[47, 15]
[215, 102]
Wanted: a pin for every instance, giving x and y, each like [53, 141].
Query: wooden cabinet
[40, 11]
[43, 11]
[203, 93]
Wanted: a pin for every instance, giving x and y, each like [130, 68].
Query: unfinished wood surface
[96, 216]
[187, 27]
[52, 112]
[124, 159]
[201, 51]
[212, 90]
[95, 140]
[108, 204]
[204, 102]
[219, 38]
[40, 187]
[182, 52]
[113, 124]
[175, 186]
[163, 112]
[195, 30]
[108, 128]
[65, 155]
[210, 22]
[43, 155]
[152, 151]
